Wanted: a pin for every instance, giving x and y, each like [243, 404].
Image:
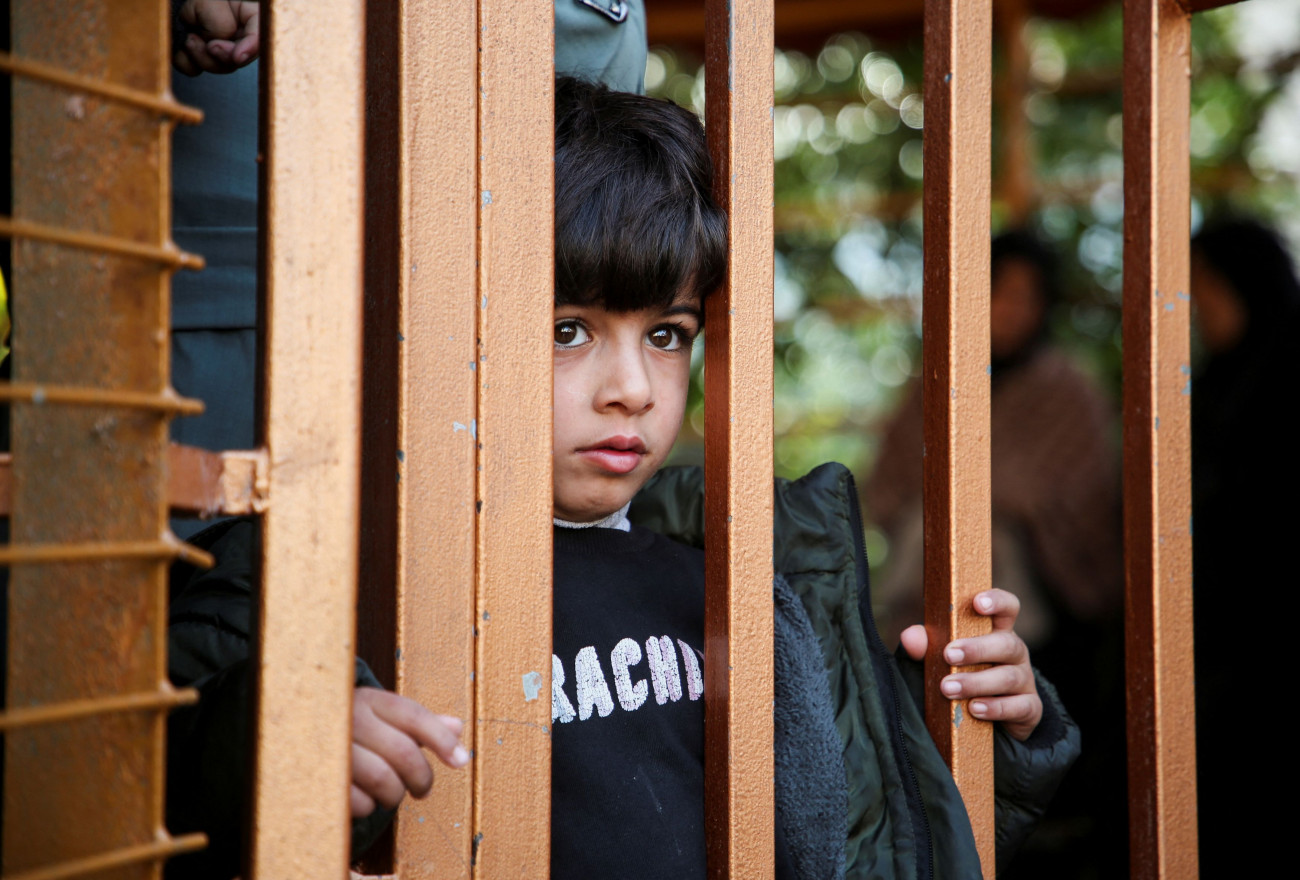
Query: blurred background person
[1056, 541]
[1245, 488]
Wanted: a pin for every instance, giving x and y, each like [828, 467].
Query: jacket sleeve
[209, 747]
[1025, 774]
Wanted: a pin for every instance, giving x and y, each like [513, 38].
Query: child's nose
[626, 382]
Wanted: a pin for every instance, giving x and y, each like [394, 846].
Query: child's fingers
[360, 804]
[376, 779]
[1019, 714]
[246, 49]
[423, 726]
[996, 681]
[1002, 606]
[915, 640]
[394, 747]
[999, 646]
[452, 723]
[197, 50]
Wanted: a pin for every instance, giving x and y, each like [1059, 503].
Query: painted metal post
[738, 448]
[423, 207]
[1157, 440]
[515, 205]
[955, 367]
[313, 112]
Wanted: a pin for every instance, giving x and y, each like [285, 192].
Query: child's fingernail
[984, 603]
[460, 757]
[978, 709]
[950, 687]
[954, 655]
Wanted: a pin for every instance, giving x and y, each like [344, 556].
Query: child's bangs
[635, 223]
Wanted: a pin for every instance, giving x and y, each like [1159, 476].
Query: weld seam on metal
[98, 551]
[166, 847]
[159, 102]
[163, 699]
[168, 255]
[71, 395]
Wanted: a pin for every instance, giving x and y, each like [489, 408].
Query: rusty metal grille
[87, 685]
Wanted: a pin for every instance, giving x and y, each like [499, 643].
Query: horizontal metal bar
[166, 697]
[168, 254]
[160, 103]
[231, 483]
[164, 848]
[71, 395]
[97, 551]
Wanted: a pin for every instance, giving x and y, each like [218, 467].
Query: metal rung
[231, 483]
[166, 697]
[36, 393]
[168, 255]
[166, 847]
[161, 103]
[170, 547]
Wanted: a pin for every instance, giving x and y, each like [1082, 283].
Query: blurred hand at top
[219, 36]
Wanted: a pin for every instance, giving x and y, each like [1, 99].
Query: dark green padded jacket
[905, 816]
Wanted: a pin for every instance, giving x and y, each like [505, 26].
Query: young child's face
[620, 392]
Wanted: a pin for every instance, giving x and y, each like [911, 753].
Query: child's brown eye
[665, 338]
[569, 334]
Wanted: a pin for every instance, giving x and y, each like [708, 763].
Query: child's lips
[617, 455]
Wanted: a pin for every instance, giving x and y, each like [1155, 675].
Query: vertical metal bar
[438, 205]
[512, 776]
[738, 448]
[88, 473]
[958, 100]
[1016, 165]
[313, 216]
[1157, 440]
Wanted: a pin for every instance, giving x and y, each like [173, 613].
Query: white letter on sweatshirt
[630, 696]
[593, 690]
[662, 657]
[561, 708]
[694, 681]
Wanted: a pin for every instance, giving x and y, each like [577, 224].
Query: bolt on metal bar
[164, 848]
[167, 697]
[39, 393]
[312, 226]
[100, 551]
[512, 747]
[738, 448]
[167, 255]
[159, 102]
[955, 334]
[1157, 441]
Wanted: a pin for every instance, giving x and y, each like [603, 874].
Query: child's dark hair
[635, 220]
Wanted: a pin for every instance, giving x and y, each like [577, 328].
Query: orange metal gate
[455, 204]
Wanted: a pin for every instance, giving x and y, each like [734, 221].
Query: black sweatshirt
[627, 767]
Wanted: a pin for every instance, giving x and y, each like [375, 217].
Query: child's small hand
[1007, 686]
[387, 733]
[221, 36]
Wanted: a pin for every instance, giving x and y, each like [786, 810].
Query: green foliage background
[848, 214]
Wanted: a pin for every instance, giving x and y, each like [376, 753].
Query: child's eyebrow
[683, 309]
